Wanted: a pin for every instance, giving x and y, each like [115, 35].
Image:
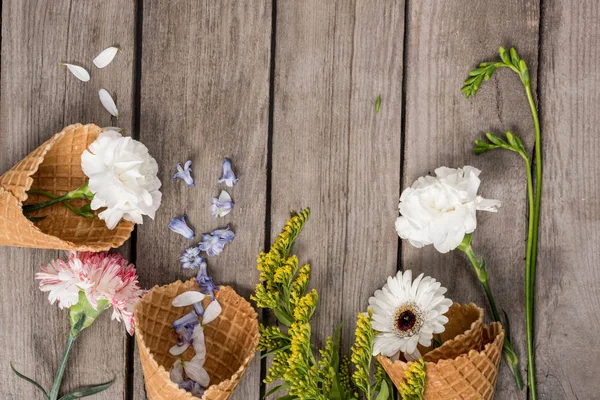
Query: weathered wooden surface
[207, 87]
[568, 274]
[204, 97]
[39, 98]
[445, 41]
[333, 153]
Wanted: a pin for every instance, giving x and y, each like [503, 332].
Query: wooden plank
[205, 96]
[445, 41]
[38, 98]
[568, 275]
[333, 153]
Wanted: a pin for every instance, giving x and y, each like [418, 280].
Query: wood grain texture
[568, 294]
[204, 97]
[445, 41]
[38, 99]
[333, 153]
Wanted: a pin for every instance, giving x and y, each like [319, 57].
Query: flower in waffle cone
[464, 367]
[231, 341]
[55, 167]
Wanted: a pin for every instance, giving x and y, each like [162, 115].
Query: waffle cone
[457, 370]
[231, 341]
[55, 167]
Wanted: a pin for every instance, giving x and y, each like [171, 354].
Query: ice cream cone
[465, 367]
[231, 341]
[55, 167]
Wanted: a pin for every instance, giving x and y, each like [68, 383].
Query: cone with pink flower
[231, 341]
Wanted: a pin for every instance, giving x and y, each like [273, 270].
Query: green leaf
[524, 72]
[288, 397]
[83, 308]
[377, 104]
[514, 58]
[275, 351]
[504, 55]
[87, 391]
[282, 317]
[34, 383]
[495, 139]
[284, 386]
[384, 391]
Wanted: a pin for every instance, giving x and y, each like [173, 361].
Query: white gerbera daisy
[406, 313]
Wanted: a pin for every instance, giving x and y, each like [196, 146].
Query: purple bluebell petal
[185, 173]
[226, 234]
[191, 259]
[179, 225]
[228, 175]
[193, 387]
[198, 309]
[212, 245]
[190, 318]
[221, 206]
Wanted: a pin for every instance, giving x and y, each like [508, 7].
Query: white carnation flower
[123, 178]
[407, 313]
[441, 210]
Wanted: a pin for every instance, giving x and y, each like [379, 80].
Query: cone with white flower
[54, 167]
[465, 366]
[231, 341]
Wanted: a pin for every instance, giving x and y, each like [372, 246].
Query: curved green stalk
[82, 192]
[479, 266]
[72, 338]
[79, 211]
[532, 244]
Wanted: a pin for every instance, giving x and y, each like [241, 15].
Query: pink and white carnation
[101, 276]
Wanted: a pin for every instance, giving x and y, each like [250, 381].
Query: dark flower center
[406, 320]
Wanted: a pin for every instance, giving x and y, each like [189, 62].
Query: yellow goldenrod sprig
[413, 386]
[362, 353]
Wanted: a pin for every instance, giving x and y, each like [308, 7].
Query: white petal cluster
[440, 210]
[422, 299]
[123, 178]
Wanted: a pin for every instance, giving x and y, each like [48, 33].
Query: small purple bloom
[225, 233]
[198, 309]
[228, 175]
[221, 206]
[212, 245]
[206, 284]
[185, 173]
[179, 225]
[193, 387]
[190, 318]
[191, 259]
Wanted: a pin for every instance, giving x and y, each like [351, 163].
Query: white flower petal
[212, 312]
[177, 372]
[108, 102]
[113, 128]
[198, 341]
[105, 57]
[194, 369]
[224, 196]
[79, 72]
[178, 350]
[187, 298]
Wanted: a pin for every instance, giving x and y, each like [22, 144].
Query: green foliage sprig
[413, 386]
[284, 290]
[512, 61]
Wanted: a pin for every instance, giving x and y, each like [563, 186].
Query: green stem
[78, 211]
[82, 192]
[63, 364]
[479, 266]
[534, 221]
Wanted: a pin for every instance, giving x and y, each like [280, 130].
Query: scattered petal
[79, 72]
[194, 369]
[105, 57]
[225, 233]
[185, 173]
[212, 245]
[187, 298]
[198, 341]
[191, 259]
[178, 350]
[177, 372]
[179, 225]
[212, 312]
[193, 387]
[228, 175]
[221, 206]
[108, 102]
